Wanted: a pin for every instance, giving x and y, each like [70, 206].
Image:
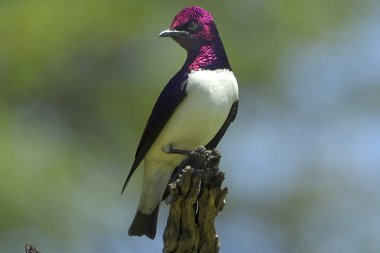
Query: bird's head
[192, 28]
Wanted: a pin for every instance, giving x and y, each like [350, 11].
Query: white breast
[210, 95]
[217, 87]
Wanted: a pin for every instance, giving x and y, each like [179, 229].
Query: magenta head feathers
[192, 27]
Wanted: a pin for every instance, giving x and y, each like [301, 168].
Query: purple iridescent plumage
[197, 14]
[204, 46]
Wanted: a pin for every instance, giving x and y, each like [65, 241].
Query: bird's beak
[172, 33]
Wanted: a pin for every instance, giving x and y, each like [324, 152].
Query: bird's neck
[208, 57]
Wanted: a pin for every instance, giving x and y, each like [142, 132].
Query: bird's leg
[168, 149]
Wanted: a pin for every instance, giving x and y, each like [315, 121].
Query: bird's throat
[208, 57]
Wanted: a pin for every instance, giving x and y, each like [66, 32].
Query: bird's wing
[231, 117]
[172, 95]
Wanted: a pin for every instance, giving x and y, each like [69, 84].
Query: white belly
[210, 95]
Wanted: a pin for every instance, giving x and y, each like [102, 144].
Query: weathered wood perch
[196, 198]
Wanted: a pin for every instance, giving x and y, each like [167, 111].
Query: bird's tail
[144, 224]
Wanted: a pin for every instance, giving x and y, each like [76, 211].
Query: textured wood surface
[196, 197]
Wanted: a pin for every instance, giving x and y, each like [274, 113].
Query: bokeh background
[78, 80]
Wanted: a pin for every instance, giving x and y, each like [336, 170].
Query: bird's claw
[170, 150]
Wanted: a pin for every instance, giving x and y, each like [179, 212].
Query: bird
[194, 109]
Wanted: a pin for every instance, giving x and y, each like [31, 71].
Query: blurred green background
[78, 80]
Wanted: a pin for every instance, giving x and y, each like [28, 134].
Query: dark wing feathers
[172, 95]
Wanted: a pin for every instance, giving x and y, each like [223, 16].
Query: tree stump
[196, 198]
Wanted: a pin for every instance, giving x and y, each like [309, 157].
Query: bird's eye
[192, 26]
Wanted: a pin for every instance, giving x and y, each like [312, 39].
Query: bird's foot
[169, 150]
